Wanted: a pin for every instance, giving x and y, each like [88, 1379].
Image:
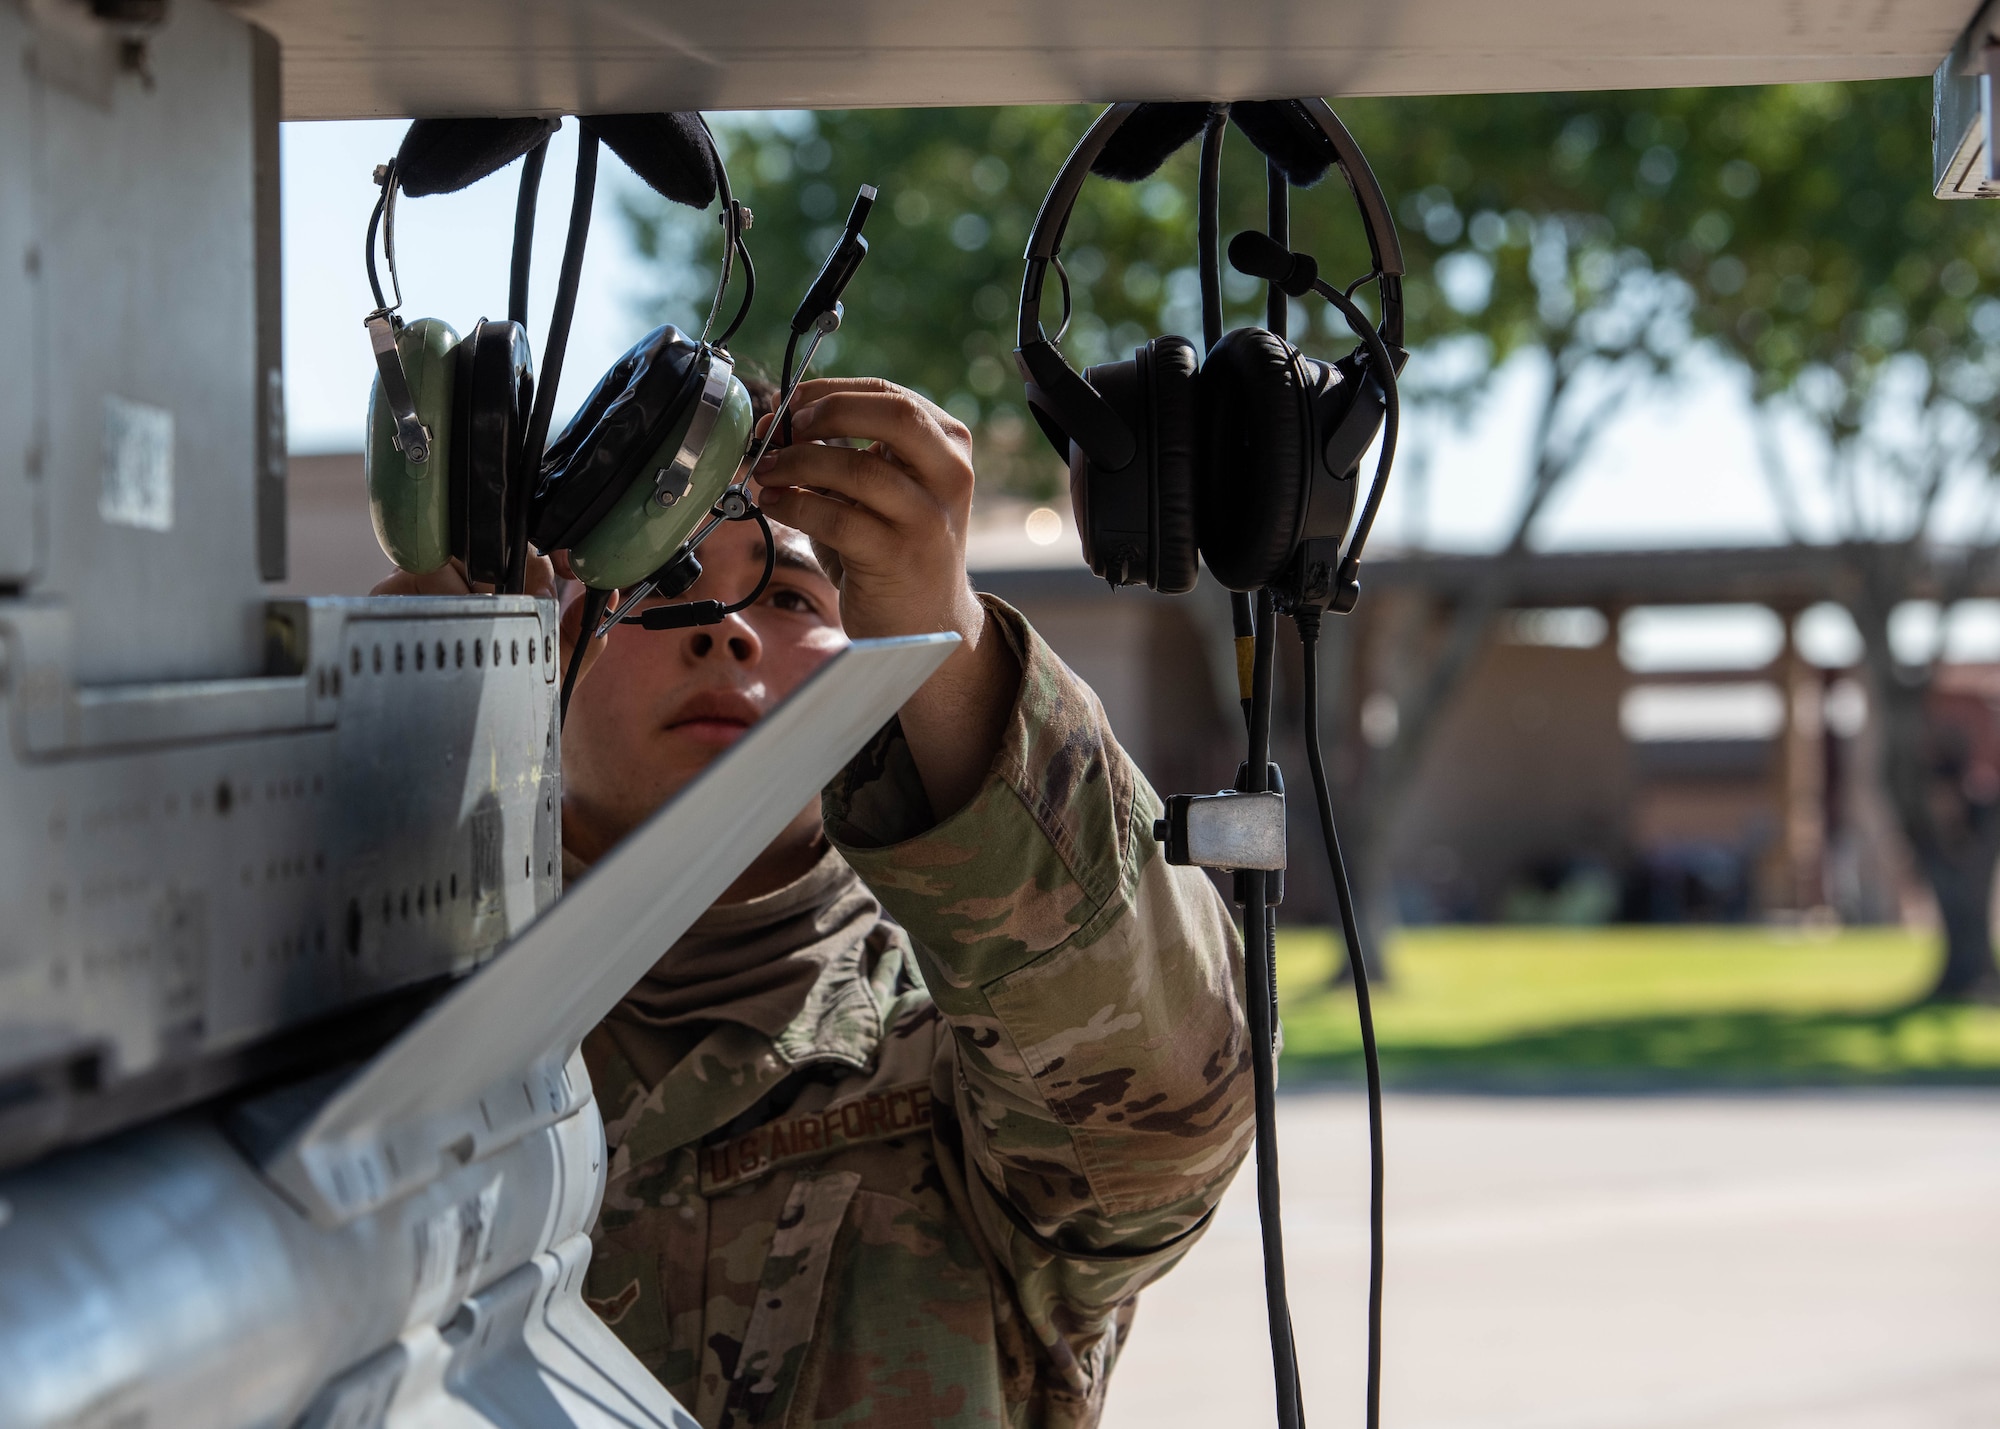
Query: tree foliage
[1789, 230]
[935, 304]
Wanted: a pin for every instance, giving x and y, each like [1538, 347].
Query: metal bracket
[1227, 830]
[413, 438]
[671, 482]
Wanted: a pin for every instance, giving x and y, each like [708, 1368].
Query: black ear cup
[1137, 520]
[1257, 456]
[1112, 504]
[613, 434]
[1172, 367]
[494, 391]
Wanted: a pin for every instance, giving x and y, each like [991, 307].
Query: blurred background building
[1608, 759]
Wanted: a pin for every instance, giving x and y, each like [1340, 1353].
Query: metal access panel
[132, 408]
[204, 883]
[20, 438]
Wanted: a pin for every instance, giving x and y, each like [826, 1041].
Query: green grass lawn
[1527, 1007]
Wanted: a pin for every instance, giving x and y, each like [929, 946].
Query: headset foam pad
[1173, 404]
[1255, 457]
[671, 152]
[1287, 135]
[616, 431]
[495, 388]
[441, 156]
[1149, 136]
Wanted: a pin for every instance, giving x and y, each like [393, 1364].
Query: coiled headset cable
[1293, 274]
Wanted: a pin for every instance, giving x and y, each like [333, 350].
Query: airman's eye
[785, 598]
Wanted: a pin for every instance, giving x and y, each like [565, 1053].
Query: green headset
[457, 424]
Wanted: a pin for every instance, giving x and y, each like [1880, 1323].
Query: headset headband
[734, 222]
[1045, 242]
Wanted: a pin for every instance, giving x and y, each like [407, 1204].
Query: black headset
[1243, 458]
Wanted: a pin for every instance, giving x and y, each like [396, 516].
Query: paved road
[1805, 1261]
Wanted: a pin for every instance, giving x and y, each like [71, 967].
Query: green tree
[1508, 251]
[1596, 236]
[935, 303]
[1797, 227]
[1862, 308]
[1505, 218]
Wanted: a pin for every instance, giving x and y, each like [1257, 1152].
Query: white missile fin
[486, 1064]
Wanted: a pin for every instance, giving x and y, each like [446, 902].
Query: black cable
[1207, 230]
[1209, 261]
[785, 387]
[770, 565]
[691, 613]
[383, 220]
[749, 281]
[374, 226]
[1307, 621]
[524, 232]
[594, 601]
[552, 359]
[1278, 223]
[1245, 631]
[732, 218]
[1259, 981]
[1378, 353]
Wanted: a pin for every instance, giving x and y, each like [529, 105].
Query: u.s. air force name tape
[872, 1116]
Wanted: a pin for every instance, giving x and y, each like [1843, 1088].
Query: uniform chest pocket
[777, 1342]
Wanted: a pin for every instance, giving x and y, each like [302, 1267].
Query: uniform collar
[811, 968]
[755, 991]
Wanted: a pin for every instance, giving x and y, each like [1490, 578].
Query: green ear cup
[410, 502]
[637, 535]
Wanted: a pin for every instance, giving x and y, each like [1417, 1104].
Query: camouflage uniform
[933, 1195]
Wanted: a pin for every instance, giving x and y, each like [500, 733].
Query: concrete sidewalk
[1794, 1261]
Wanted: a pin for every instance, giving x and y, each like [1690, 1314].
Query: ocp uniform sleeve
[1093, 992]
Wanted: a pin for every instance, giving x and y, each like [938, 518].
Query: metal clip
[1228, 830]
[672, 481]
[412, 438]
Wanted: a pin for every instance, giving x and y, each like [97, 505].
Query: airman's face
[657, 706]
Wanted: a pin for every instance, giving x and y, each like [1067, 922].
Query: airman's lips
[716, 717]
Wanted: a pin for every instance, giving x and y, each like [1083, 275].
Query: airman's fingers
[859, 476]
[933, 444]
[447, 579]
[540, 577]
[860, 536]
[570, 628]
